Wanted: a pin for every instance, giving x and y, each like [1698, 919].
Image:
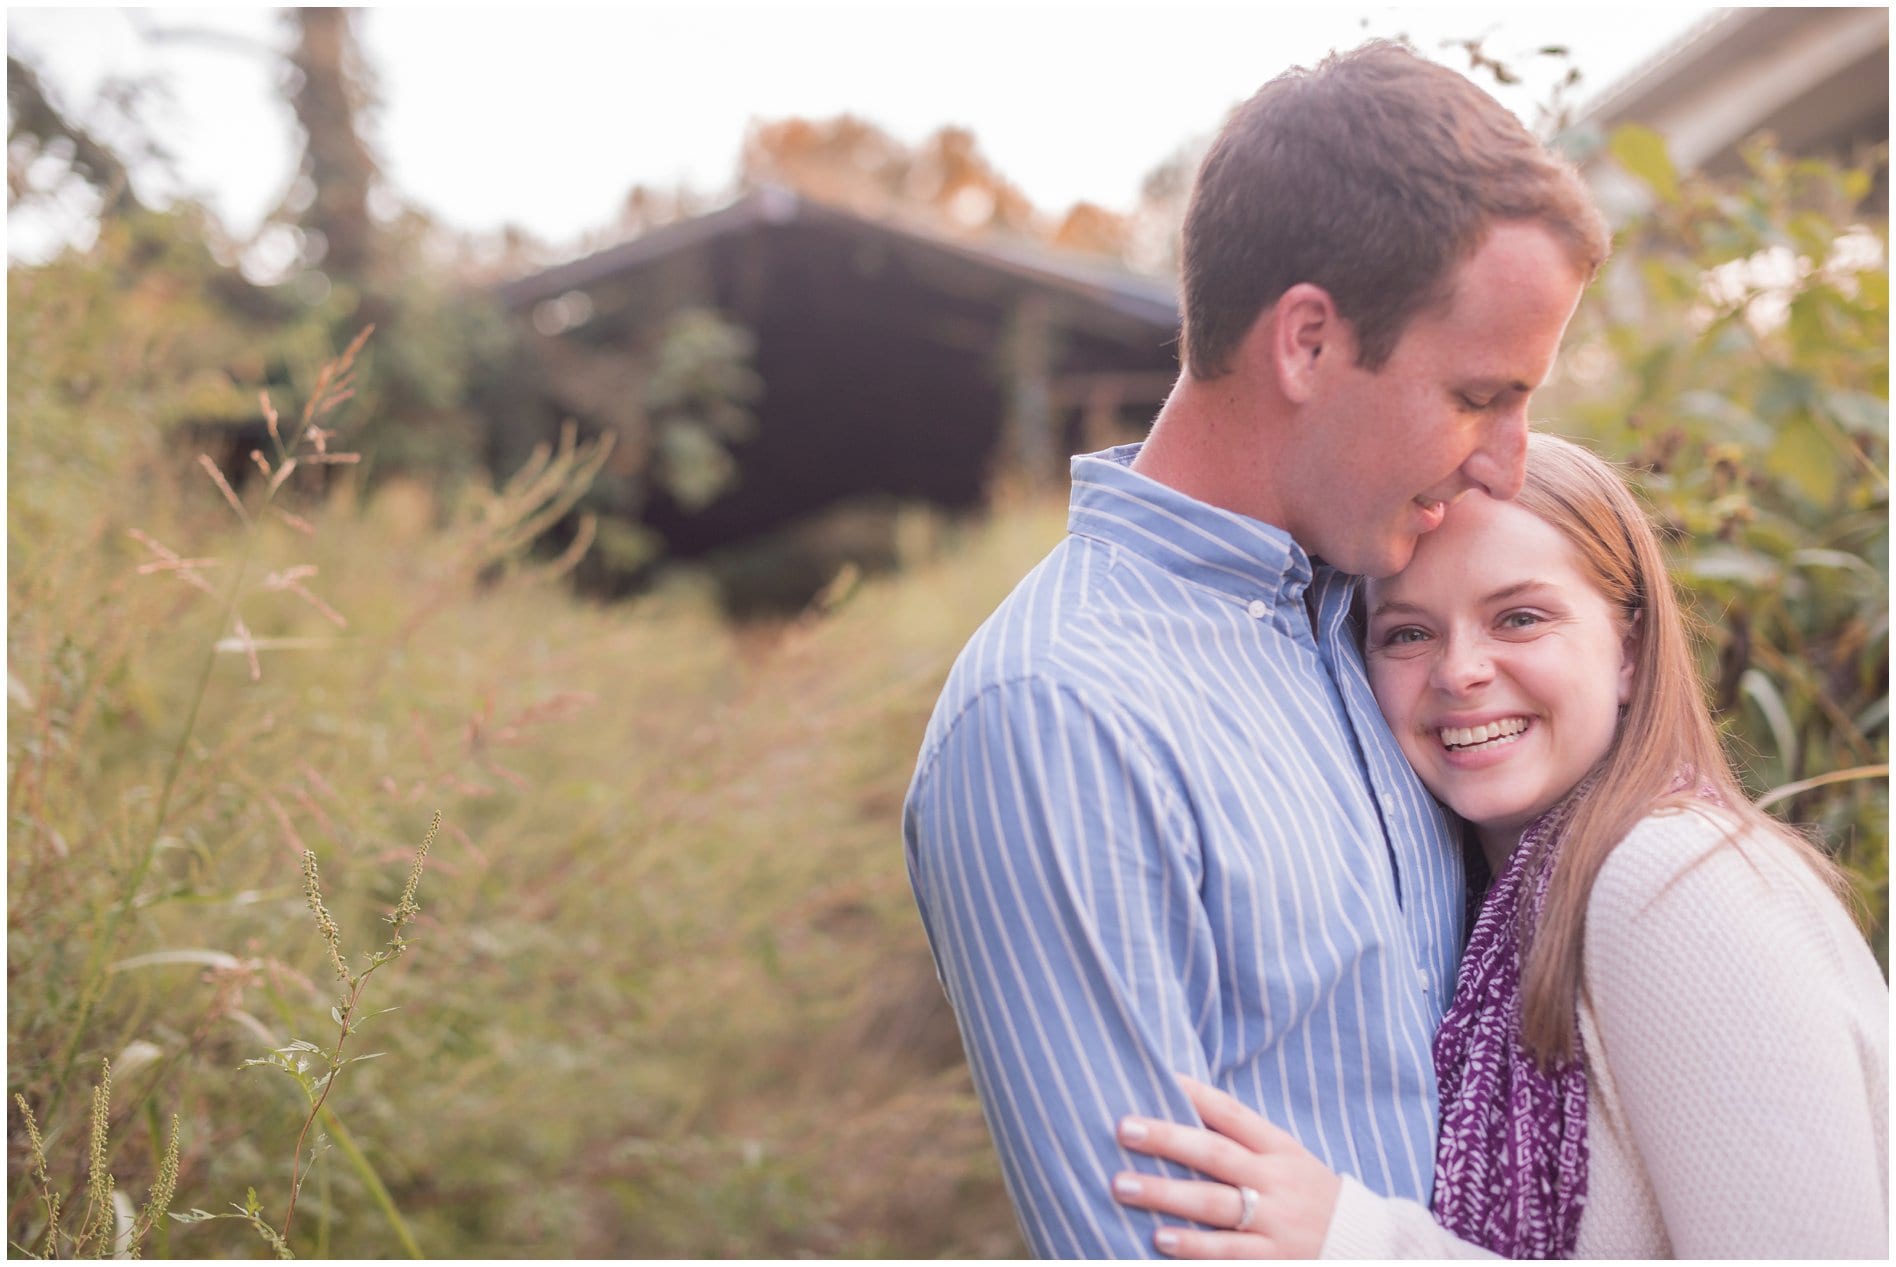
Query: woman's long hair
[1667, 732]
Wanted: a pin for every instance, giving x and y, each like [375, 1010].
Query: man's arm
[1057, 875]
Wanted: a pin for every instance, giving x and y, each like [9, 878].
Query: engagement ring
[1248, 1198]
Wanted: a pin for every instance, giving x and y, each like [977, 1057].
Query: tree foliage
[852, 163]
[1736, 354]
[37, 127]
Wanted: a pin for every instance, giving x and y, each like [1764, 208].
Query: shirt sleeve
[1057, 876]
[1746, 1036]
[1367, 1226]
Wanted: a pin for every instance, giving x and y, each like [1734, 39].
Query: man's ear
[1306, 336]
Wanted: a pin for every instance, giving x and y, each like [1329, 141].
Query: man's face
[1380, 455]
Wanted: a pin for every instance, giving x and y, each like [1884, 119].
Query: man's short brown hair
[1373, 177]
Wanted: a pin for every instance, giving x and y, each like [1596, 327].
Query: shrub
[1736, 354]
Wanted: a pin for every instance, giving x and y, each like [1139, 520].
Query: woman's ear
[1629, 658]
[1304, 336]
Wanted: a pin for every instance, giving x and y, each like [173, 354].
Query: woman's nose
[1462, 664]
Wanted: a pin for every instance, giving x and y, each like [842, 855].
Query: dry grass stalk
[223, 486]
[170, 561]
[291, 581]
[345, 1012]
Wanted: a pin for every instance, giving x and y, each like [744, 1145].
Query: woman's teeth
[1495, 732]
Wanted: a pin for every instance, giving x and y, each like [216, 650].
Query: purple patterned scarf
[1511, 1164]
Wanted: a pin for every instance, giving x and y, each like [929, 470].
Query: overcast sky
[545, 117]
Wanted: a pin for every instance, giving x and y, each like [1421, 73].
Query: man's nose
[1500, 464]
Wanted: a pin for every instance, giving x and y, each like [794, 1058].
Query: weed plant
[681, 1005]
[671, 999]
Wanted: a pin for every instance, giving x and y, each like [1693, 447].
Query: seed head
[165, 1186]
[407, 909]
[99, 1183]
[36, 1145]
[331, 935]
[101, 1120]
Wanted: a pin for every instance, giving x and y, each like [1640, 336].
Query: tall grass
[668, 995]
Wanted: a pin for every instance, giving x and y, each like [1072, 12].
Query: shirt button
[1259, 609]
[1388, 803]
[1422, 978]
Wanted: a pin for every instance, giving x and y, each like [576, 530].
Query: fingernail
[1165, 1238]
[1131, 1129]
[1127, 1186]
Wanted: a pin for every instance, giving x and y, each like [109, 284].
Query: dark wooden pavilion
[894, 360]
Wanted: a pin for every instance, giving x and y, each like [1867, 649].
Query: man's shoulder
[1034, 635]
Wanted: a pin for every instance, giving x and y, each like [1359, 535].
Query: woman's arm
[1744, 1026]
[1298, 1207]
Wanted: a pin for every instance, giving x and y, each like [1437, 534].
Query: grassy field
[667, 993]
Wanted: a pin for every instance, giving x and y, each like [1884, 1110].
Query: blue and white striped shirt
[1156, 826]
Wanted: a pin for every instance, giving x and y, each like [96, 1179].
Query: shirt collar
[1243, 558]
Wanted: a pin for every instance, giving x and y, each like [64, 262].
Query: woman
[1667, 1037]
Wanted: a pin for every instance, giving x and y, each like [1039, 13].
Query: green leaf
[1812, 233]
[1873, 289]
[1731, 420]
[1742, 567]
[1642, 152]
[1763, 692]
[1670, 283]
[1859, 413]
[1818, 558]
[1785, 392]
[1806, 460]
[203, 958]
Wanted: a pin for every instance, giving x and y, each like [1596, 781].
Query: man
[1157, 825]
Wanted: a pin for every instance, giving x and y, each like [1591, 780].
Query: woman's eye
[1406, 635]
[1470, 402]
[1521, 620]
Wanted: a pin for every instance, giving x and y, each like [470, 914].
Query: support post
[1030, 449]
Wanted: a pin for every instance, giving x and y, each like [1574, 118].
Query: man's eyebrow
[1499, 385]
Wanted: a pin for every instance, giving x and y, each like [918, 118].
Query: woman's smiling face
[1499, 665]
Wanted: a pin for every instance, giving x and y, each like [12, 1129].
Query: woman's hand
[1294, 1193]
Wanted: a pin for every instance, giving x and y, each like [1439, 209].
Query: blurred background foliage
[667, 995]
[1735, 354]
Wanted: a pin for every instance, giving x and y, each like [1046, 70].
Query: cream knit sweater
[1736, 1031]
